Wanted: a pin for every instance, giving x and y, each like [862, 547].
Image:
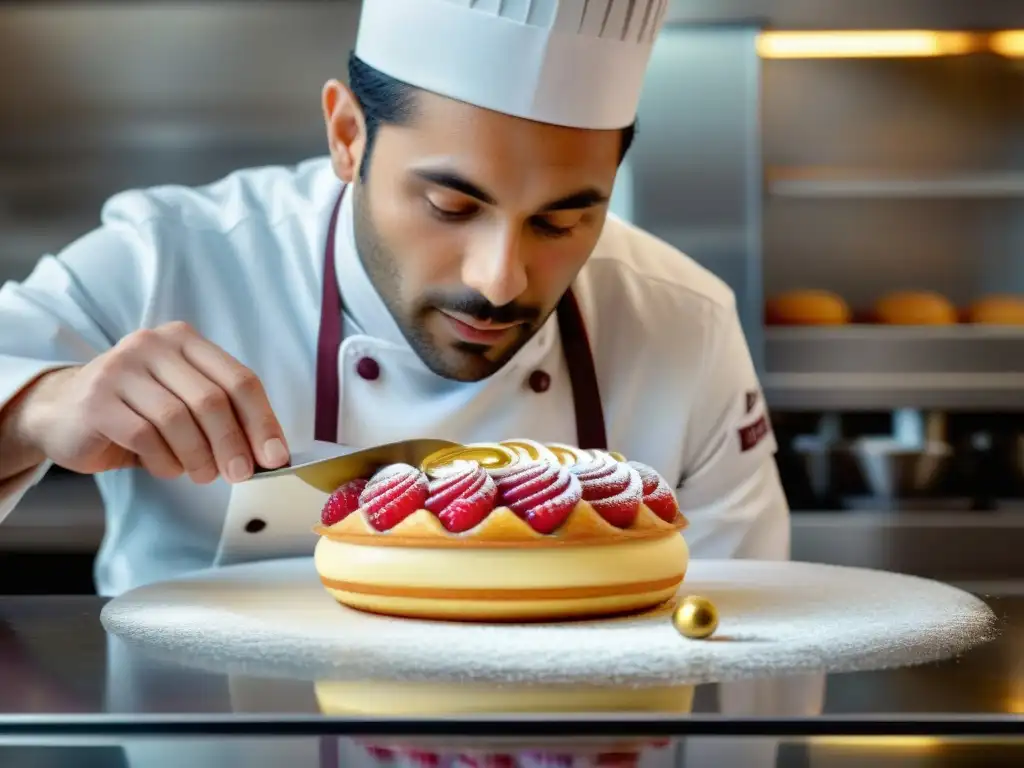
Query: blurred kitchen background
[859, 148]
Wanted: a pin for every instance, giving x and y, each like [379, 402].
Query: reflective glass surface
[72, 695]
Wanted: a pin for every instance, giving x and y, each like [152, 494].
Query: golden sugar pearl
[695, 617]
[487, 455]
[617, 456]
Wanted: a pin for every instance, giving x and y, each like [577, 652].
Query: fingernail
[275, 452]
[239, 469]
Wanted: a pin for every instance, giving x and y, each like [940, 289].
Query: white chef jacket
[240, 260]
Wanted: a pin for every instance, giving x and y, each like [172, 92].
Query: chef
[449, 269]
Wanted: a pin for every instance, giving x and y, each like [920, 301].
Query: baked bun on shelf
[915, 308]
[807, 307]
[511, 531]
[996, 310]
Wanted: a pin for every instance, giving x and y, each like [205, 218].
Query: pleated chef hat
[577, 63]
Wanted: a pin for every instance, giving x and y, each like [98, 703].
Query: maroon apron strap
[590, 428]
[586, 396]
[328, 389]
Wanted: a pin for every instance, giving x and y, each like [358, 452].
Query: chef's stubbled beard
[460, 361]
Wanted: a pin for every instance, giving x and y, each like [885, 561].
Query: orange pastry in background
[807, 307]
[509, 531]
[915, 308]
[996, 310]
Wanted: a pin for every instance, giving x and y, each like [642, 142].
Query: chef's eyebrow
[585, 198]
[458, 183]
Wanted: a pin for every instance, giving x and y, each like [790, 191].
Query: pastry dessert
[510, 531]
[404, 698]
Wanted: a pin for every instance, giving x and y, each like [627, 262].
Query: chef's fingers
[122, 426]
[173, 421]
[247, 396]
[211, 408]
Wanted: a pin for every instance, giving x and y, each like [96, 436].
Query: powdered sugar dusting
[657, 494]
[473, 504]
[549, 508]
[543, 494]
[443, 491]
[392, 494]
[614, 489]
[275, 619]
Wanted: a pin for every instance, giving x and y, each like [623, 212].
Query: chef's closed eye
[451, 207]
[558, 223]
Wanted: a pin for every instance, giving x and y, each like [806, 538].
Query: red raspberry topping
[540, 493]
[394, 493]
[613, 488]
[658, 496]
[463, 498]
[343, 502]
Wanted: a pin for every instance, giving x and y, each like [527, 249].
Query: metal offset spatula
[326, 466]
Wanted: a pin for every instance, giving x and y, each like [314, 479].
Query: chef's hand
[166, 399]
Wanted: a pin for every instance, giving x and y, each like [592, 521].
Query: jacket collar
[363, 305]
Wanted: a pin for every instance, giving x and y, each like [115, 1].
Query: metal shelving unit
[865, 367]
[844, 183]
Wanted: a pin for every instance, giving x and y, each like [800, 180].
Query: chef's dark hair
[387, 101]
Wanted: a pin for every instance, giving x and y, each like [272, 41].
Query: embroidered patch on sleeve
[752, 434]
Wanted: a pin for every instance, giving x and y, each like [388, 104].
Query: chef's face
[472, 224]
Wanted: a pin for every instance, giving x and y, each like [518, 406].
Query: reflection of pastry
[807, 308]
[996, 310]
[410, 699]
[504, 532]
[470, 752]
[385, 697]
[915, 308]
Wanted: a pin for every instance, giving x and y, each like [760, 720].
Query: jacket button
[255, 525]
[368, 368]
[540, 381]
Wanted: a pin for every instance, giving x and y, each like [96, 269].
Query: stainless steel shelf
[878, 184]
[864, 367]
[949, 546]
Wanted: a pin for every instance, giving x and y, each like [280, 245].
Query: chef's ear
[346, 129]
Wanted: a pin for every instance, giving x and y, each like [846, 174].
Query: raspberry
[464, 482]
[658, 496]
[462, 499]
[393, 494]
[613, 488]
[650, 478]
[542, 494]
[525, 483]
[343, 502]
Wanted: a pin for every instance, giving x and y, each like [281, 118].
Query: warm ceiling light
[863, 44]
[1009, 43]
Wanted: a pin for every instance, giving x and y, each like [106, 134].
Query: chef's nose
[493, 266]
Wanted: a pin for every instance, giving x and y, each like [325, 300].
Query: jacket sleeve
[72, 307]
[730, 489]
